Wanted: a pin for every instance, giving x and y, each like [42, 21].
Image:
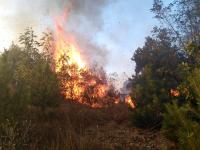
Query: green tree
[156, 74]
[26, 79]
[182, 122]
[181, 17]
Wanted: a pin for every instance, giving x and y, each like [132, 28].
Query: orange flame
[117, 100]
[101, 90]
[129, 101]
[65, 45]
[81, 84]
[175, 92]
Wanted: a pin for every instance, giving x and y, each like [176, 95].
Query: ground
[120, 137]
[111, 129]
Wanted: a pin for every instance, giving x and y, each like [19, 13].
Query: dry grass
[60, 128]
[76, 127]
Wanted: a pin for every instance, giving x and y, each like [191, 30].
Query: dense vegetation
[166, 81]
[165, 87]
[33, 111]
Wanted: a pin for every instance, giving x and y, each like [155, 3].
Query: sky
[109, 31]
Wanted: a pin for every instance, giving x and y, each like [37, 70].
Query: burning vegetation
[80, 83]
[129, 101]
[174, 92]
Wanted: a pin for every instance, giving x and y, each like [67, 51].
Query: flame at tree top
[65, 44]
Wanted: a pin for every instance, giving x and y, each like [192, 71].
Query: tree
[26, 79]
[182, 17]
[182, 123]
[156, 74]
[164, 63]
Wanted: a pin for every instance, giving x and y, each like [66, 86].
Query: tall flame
[83, 85]
[78, 82]
[65, 44]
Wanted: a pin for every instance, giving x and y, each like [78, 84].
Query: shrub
[26, 79]
[148, 116]
[182, 123]
[180, 126]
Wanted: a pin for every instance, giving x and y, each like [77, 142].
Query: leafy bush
[26, 79]
[179, 126]
[172, 120]
[182, 123]
[155, 77]
[148, 116]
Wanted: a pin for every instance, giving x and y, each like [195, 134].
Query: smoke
[90, 10]
[84, 20]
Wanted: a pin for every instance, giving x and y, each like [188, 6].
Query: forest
[50, 100]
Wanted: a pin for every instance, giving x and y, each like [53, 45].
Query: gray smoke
[84, 20]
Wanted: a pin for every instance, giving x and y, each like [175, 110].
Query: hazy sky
[110, 29]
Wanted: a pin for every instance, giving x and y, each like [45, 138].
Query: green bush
[148, 116]
[155, 77]
[26, 79]
[173, 120]
[182, 123]
[179, 126]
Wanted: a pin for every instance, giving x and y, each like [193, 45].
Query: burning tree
[79, 82]
[85, 85]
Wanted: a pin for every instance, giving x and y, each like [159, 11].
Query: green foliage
[192, 49]
[155, 77]
[165, 63]
[147, 116]
[173, 120]
[181, 17]
[26, 79]
[182, 122]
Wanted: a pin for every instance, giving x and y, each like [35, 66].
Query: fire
[101, 90]
[92, 82]
[175, 92]
[65, 45]
[117, 100]
[78, 82]
[129, 101]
